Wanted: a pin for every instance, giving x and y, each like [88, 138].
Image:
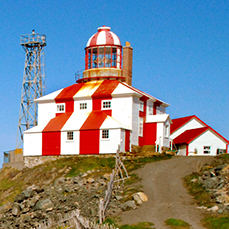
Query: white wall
[206, 139]
[32, 144]
[122, 110]
[135, 120]
[182, 150]
[160, 110]
[77, 106]
[192, 124]
[46, 112]
[69, 147]
[110, 145]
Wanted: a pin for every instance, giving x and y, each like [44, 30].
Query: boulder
[16, 209]
[6, 207]
[129, 205]
[43, 204]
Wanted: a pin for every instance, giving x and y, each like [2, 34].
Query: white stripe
[89, 41]
[101, 39]
[116, 39]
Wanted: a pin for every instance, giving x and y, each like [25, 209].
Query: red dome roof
[103, 37]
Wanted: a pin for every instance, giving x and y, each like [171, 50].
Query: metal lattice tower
[33, 82]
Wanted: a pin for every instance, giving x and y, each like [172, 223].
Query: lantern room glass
[103, 57]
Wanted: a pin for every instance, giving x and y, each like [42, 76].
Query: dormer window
[141, 107]
[106, 104]
[83, 106]
[60, 108]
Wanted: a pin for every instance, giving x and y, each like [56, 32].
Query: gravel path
[168, 198]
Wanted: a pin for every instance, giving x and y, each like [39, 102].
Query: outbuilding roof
[179, 122]
[189, 135]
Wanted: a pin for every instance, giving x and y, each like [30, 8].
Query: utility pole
[33, 85]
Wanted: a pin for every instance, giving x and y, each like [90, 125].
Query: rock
[6, 207]
[129, 205]
[29, 193]
[194, 180]
[143, 196]
[43, 204]
[16, 209]
[211, 182]
[224, 198]
[90, 180]
[213, 209]
[19, 198]
[137, 199]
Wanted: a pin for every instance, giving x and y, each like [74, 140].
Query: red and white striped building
[102, 111]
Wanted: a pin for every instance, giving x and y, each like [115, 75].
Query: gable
[180, 125]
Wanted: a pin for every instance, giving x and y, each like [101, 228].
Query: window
[70, 136]
[105, 134]
[83, 106]
[141, 108]
[167, 130]
[60, 108]
[140, 130]
[150, 109]
[207, 149]
[106, 104]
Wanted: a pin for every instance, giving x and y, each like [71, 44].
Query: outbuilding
[192, 136]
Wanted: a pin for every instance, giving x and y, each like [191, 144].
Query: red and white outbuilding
[194, 137]
[101, 112]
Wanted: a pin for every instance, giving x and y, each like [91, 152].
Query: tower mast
[33, 85]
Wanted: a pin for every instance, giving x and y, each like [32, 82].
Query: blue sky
[181, 52]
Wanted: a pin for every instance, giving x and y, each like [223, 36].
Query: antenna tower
[33, 81]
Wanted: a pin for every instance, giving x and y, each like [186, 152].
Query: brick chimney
[127, 63]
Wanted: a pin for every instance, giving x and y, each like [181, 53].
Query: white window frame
[105, 134]
[140, 128]
[70, 136]
[166, 130]
[206, 149]
[150, 109]
[83, 106]
[106, 104]
[60, 107]
[141, 106]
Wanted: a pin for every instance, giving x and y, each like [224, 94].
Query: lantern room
[103, 56]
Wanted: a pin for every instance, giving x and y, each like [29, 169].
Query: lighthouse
[102, 112]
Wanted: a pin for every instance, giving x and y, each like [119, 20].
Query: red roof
[189, 135]
[94, 120]
[179, 122]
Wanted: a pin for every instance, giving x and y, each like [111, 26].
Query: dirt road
[168, 198]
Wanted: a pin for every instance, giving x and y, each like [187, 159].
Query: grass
[177, 223]
[216, 222]
[142, 225]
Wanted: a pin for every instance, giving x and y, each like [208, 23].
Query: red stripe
[127, 140]
[187, 150]
[94, 120]
[90, 133]
[51, 135]
[67, 93]
[89, 141]
[150, 133]
[94, 40]
[105, 89]
[51, 143]
[109, 38]
[57, 123]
